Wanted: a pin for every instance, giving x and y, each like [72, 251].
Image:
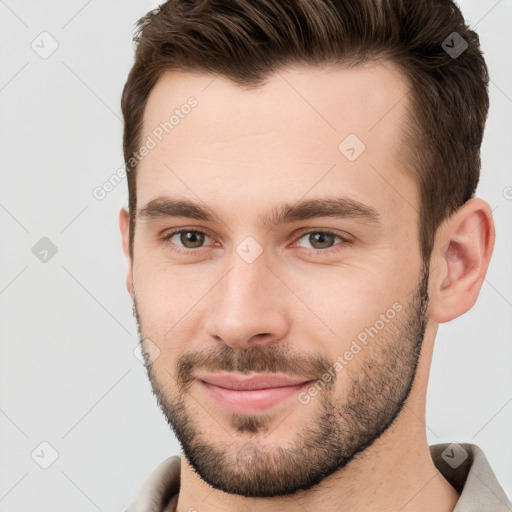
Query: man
[301, 219]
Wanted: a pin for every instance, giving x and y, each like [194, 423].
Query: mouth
[249, 394]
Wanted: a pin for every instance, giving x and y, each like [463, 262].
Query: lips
[247, 383]
[249, 394]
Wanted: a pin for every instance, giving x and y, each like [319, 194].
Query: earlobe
[124, 226]
[461, 258]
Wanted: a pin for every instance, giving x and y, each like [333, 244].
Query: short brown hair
[246, 40]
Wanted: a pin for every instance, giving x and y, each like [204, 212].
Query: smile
[250, 393]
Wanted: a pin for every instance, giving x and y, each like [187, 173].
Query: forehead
[282, 136]
[332, 100]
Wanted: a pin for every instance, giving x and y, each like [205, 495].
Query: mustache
[259, 359]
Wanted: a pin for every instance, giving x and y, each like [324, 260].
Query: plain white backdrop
[68, 373]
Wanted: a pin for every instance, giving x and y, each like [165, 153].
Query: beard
[344, 426]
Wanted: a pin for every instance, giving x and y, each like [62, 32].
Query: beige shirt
[464, 465]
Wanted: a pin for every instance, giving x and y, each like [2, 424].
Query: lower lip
[250, 400]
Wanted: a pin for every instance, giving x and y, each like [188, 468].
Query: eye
[322, 240]
[187, 238]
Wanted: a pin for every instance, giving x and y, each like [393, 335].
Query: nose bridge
[245, 286]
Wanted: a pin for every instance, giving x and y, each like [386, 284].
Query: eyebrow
[335, 207]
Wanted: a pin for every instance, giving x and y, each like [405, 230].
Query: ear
[124, 226]
[460, 258]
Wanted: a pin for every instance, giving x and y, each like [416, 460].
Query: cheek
[350, 314]
[165, 286]
[344, 300]
[170, 301]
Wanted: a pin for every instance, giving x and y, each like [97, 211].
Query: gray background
[68, 372]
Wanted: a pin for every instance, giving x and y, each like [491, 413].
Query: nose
[249, 305]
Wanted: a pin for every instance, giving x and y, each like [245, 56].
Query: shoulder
[160, 486]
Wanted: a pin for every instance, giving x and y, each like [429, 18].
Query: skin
[244, 152]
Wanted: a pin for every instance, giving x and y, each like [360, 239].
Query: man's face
[334, 303]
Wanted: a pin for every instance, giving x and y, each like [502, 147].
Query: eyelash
[184, 250]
